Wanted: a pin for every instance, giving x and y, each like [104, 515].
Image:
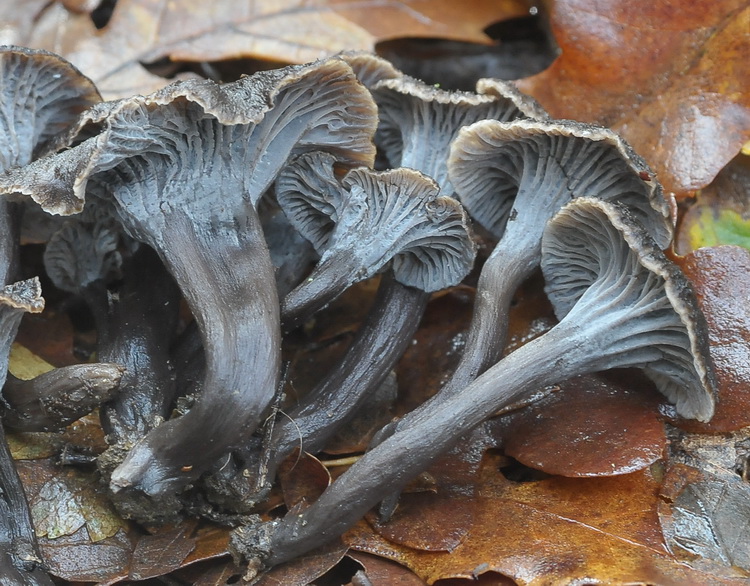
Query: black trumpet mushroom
[620, 303]
[361, 223]
[20, 560]
[512, 177]
[183, 169]
[371, 220]
[134, 302]
[418, 122]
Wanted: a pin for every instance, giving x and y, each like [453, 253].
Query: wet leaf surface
[305, 569]
[721, 278]
[592, 425]
[670, 77]
[720, 213]
[706, 500]
[553, 531]
[382, 572]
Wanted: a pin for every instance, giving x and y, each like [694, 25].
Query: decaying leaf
[63, 500]
[594, 425]
[556, 530]
[721, 278]
[721, 211]
[705, 507]
[670, 77]
[144, 32]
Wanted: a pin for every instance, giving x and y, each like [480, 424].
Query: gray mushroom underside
[255, 123]
[593, 246]
[419, 121]
[40, 95]
[379, 216]
[493, 163]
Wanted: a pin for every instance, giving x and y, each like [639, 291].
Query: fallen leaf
[721, 211]
[305, 569]
[721, 279]
[705, 500]
[671, 77]
[76, 558]
[594, 425]
[161, 553]
[294, 31]
[62, 500]
[382, 572]
[558, 530]
[303, 479]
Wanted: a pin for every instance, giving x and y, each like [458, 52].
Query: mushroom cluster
[258, 202]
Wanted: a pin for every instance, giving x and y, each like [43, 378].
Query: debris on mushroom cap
[491, 160]
[578, 247]
[418, 121]
[376, 216]
[41, 95]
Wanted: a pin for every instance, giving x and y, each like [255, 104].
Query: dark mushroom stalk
[620, 302]
[361, 224]
[20, 560]
[163, 162]
[134, 302]
[53, 400]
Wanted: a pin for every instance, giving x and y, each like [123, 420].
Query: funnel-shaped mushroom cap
[80, 253]
[375, 217]
[540, 165]
[419, 121]
[15, 300]
[369, 68]
[598, 260]
[41, 94]
[241, 132]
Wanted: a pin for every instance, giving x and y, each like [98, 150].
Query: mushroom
[512, 177]
[184, 169]
[369, 220]
[40, 95]
[360, 224]
[418, 122]
[54, 399]
[134, 302]
[620, 303]
[20, 560]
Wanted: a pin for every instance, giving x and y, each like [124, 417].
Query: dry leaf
[146, 31]
[670, 77]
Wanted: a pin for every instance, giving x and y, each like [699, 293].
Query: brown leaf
[593, 426]
[74, 557]
[383, 572]
[558, 530]
[161, 553]
[305, 569]
[721, 278]
[670, 77]
[303, 479]
[145, 31]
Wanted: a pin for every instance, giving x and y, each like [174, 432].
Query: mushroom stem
[52, 400]
[333, 274]
[379, 343]
[232, 303]
[135, 325]
[621, 304]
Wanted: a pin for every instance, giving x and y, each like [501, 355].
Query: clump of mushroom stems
[620, 303]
